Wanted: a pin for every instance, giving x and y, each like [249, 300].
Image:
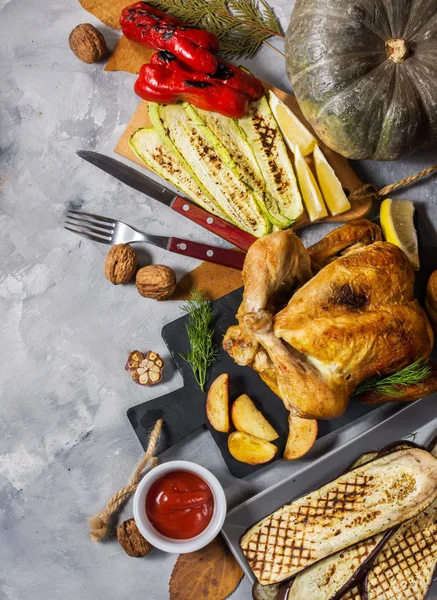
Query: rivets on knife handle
[186, 207]
[209, 253]
[182, 246]
[210, 220]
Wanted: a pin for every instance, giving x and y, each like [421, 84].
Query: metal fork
[111, 231]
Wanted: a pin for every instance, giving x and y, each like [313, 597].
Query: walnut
[156, 281]
[120, 264]
[87, 43]
[131, 540]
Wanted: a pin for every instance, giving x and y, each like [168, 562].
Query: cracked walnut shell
[87, 43]
[145, 369]
[131, 540]
[120, 264]
[156, 281]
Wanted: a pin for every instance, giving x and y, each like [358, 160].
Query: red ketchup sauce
[180, 505]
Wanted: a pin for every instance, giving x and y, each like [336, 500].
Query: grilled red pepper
[153, 28]
[158, 83]
[226, 74]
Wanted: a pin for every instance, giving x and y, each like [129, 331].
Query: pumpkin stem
[397, 49]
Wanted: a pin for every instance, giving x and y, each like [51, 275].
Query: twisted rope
[371, 191]
[101, 523]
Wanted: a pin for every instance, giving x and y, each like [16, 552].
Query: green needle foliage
[202, 351]
[240, 25]
[390, 386]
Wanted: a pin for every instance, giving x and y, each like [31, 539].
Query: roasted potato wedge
[251, 450]
[246, 417]
[302, 434]
[217, 404]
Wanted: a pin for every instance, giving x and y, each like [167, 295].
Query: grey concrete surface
[65, 442]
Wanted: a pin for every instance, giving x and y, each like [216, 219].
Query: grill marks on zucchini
[282, 200]
[233, 138]
[204, 160]
[147, 145]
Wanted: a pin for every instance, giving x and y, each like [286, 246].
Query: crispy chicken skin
[356, 318]
[361, 232]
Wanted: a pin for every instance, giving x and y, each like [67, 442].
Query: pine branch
[241, 25]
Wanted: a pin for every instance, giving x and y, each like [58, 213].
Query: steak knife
[140, 182]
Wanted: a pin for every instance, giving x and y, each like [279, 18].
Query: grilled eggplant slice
[148, 146]
[405, 567]
[331, 578]
[282, 591]
[265, 139]
[230, 193]
[357, 505]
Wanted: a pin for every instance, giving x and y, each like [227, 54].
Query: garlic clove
[144, 378]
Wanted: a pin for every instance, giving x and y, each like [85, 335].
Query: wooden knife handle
[220, 256]
[220, 227]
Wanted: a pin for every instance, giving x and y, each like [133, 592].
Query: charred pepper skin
[153, 28]
[158, 83]
[226, 74]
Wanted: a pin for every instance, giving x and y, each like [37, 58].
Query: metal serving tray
[416, 421]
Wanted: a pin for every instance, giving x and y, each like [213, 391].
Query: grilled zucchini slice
[229, 192]
[211, 136]
[147, 145]
[232, 138]
[263, 134]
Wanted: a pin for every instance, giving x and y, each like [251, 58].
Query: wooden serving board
[340, 164]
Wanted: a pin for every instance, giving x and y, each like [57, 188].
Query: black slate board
[183, 410]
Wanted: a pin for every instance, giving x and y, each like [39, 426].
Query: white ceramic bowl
[169, 544]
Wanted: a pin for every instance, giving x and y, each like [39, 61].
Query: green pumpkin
[365, 73]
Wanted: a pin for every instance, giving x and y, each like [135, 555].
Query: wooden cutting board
[340, 164]
[212, 280]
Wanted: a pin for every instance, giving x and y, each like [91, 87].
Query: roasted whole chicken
[315, 323]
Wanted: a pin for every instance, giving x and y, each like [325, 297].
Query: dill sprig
[240, 25]
[202, 351]
[415, 373]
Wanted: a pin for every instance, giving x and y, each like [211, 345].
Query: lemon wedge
[294, 132]
[397, 222]
[330, 185]
[311, 194]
